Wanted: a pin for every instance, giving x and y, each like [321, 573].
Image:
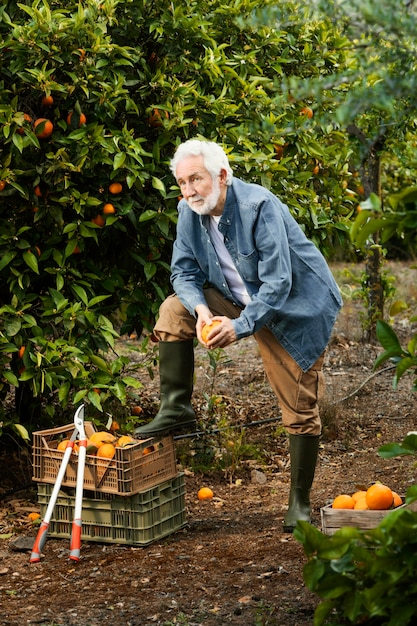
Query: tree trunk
[370, 172]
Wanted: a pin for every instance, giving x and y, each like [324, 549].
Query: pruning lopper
[75, 544]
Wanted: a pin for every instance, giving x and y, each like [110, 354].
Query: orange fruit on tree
[155, 118]
[21, 352]
[205, 493]
[361, 504]
[99, 220]
[379, 497]
[115, 188]
[208, 328]
[43, 128]
[109, 209]
[82, 119]
[307, 111]
[106, 451]
[47, 101]
[2, 185]
[28, 119]
[343, 501]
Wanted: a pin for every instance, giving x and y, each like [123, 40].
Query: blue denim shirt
[291, 287]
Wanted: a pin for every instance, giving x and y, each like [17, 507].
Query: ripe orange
[45, 128]
[82, 119]
[34, 516]
[47, 101]
[148, 450]
[2, 185]
[106, 451]
[63, 445]
[359, 494]
[343, 502]
[136, 410]
[307, 111]
[379, 497]
[205, 493]
[102, 436]
[109, 209]
[21, 352]
[28, 119]
[361, 504]
[99, 220]
[397, 499]
[125, 440]
[115, 188]
[208, 328]
[37, 191]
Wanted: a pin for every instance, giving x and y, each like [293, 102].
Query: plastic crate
[129, 472]
[136, 520]
[334, 519]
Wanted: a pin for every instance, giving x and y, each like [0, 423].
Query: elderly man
[240, 257]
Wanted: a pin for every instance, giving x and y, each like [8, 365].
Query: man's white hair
[214, 157]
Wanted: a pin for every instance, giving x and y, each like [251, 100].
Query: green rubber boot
[176, 370]
[303, 457]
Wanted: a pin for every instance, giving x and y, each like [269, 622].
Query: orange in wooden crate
[130, 471]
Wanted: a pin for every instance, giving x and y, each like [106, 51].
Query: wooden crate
[334, 519]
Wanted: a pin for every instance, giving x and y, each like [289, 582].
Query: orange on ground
[361, 504]
[208, 328]
[47, 101]
[45, 128]
[397, 499]
[205, 493]
[115, 188]
[359, 494]
[83, 119]
[33, 516]
[379, 497]
[343, 502]
[106, 451]
[136, 410]
[102, 436]
[109, 209]
[125, 440]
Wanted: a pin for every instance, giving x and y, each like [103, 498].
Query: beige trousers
[297, 391]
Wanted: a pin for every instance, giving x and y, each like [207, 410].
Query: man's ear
[223, 176]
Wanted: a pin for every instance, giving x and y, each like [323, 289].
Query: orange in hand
[207, 329]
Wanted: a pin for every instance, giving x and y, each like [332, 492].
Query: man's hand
[221, 335]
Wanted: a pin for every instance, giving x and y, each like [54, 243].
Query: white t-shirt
[230, 272]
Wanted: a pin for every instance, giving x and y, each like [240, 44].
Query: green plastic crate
[136, 520]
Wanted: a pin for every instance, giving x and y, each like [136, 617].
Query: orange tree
[94, 96]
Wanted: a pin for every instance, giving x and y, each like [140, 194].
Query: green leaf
[21, 431]
[31, 261]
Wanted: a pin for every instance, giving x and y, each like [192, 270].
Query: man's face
[204, 194]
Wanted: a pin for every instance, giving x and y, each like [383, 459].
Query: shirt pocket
[248, 265]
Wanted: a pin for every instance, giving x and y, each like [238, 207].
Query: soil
[232, 563]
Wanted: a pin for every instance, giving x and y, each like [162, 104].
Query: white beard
[209, 203]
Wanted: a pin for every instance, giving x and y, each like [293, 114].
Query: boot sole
[169, 431]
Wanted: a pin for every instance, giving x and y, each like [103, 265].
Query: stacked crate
[135, 498]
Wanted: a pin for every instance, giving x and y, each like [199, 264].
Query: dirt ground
[231, 563]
